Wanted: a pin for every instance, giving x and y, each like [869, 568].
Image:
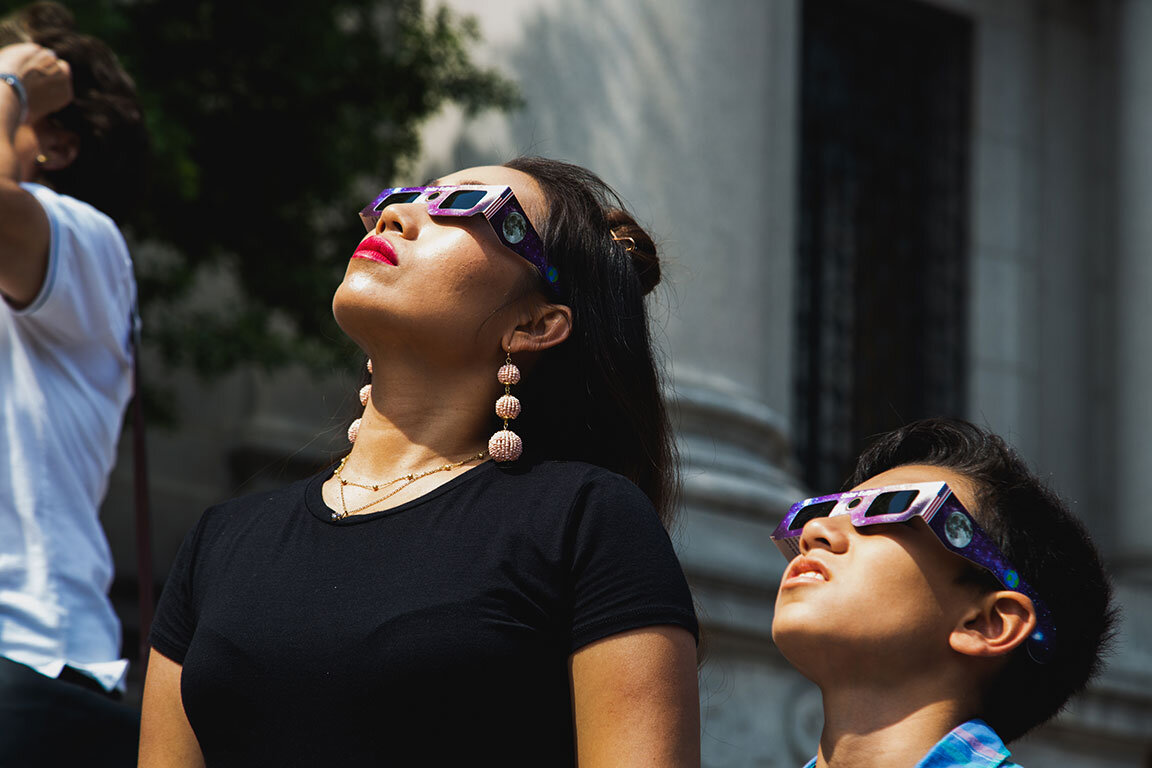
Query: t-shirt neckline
[314, 496]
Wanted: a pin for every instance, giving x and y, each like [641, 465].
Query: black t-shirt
[434, 633]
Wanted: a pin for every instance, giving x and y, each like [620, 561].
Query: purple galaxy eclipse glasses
[946, 517]
[497, 204]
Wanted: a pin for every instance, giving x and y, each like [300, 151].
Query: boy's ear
[995, 626]
[545, 327]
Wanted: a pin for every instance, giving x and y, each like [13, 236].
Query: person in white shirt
[66, 323]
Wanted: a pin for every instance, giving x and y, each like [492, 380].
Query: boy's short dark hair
[109, 171]
[1042, 539]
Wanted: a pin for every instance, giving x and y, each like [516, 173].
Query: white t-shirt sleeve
[89, 291]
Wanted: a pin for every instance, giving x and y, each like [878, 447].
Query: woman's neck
[414, 420]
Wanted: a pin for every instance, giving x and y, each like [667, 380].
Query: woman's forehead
[525, 188]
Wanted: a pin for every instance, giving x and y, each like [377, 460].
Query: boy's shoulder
[973, 744]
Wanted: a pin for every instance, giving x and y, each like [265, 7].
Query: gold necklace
[409, 478]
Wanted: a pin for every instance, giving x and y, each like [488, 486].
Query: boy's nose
[829, 533]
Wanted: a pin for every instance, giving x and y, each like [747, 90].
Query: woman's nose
[403, 218]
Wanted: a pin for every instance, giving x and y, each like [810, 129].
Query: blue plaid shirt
[970, 745]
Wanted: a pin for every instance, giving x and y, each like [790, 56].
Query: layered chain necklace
[407, 479]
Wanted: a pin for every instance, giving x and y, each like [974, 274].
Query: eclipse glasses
[496, 204]
[946, 517]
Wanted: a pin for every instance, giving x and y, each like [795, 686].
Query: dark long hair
[597, 397]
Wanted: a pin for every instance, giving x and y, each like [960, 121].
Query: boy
[946, 605]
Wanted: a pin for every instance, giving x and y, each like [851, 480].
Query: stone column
[1133, 284]
[1119, 704]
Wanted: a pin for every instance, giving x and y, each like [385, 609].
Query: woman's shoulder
[568, 476]
[260, 504]
[573, 487]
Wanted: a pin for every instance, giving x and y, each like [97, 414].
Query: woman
[419, 604]
[72, 145]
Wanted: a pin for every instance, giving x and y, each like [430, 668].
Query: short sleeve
[89, 290]
[175, 619]
[625, 573]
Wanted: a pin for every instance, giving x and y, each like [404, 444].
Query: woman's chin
[356, 314]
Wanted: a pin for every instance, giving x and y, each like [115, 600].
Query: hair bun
[640, 247]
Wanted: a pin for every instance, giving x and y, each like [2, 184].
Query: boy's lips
[804, 570]
[375, 248]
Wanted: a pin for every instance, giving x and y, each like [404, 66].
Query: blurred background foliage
[272, 124]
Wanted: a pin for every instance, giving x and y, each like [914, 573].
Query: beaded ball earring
[506, 445]
[365, 393]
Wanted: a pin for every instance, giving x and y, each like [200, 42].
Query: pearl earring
[365, 393]
[506, 445]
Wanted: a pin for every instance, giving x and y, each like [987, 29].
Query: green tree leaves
[271, 125]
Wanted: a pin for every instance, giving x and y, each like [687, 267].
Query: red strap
[143, 514]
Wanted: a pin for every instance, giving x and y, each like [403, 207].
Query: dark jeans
[46, 723]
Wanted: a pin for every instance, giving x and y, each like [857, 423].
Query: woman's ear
[995, 626]
[58, 145]
[546, 326]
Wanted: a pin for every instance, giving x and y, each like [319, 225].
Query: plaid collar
[969, 745]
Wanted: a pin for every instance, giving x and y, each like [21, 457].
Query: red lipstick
[375, 248]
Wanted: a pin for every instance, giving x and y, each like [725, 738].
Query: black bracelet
[21, 94]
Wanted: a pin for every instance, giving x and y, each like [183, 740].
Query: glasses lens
[462, 199]
[891, 503]
[396, 199]
[810, 512]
